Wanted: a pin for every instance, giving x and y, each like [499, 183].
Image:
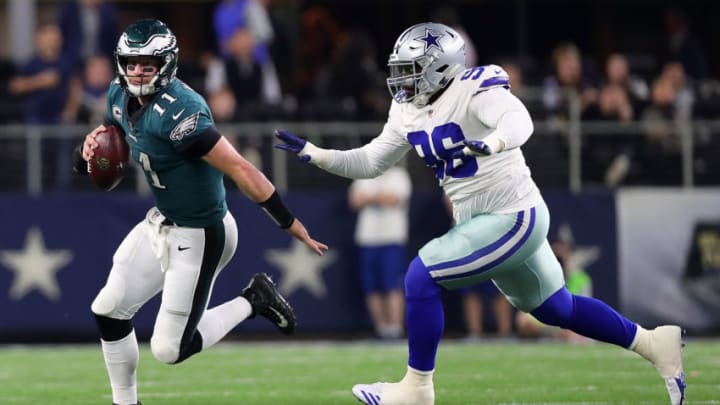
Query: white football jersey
[470, 109]
[476, 104]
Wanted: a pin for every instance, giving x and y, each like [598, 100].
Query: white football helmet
[424, 59]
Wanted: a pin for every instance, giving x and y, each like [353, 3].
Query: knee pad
[164, 350]
[112, 330]
[418, 283]
[556, 310]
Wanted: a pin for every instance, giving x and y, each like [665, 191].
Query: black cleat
[267, 302]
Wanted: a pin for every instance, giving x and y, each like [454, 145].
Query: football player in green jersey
[189, 236]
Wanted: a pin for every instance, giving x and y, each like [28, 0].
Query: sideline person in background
[381, 233]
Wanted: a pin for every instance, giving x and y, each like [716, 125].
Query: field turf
[486, 372]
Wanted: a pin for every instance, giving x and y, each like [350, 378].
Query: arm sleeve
[498, 108]
[368, 161]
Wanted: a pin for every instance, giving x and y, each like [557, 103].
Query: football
[107, 166]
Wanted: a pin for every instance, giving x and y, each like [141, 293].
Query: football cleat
[138, 403]
[667, 344]
[267, 302]
[394, 394]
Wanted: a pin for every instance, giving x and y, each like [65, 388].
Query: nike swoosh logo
[176, 116]
[283, 322]
[181, 248]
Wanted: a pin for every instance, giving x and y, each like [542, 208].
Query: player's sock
[417, 377]
[425, 317]
[586, 316]
[218, 321]
[662, 346]
[121, 360]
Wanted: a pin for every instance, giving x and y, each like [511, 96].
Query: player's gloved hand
[473, 148]
[489, 145]
[292, 143]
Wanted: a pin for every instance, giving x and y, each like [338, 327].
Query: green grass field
[322, 373]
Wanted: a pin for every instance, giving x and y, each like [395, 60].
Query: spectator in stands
[381, 233]
[91, 90]
[365, 95]
[253, 84]
[617, 72]
[320, 35]
[89, 28]
[662, 143]
[231, 15]
[44, 83]
[608, 157]
[578, 282]
[568, 76]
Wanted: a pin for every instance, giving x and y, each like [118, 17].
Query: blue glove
[473, 147]
[291, 143]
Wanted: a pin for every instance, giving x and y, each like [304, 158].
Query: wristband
[277, 210]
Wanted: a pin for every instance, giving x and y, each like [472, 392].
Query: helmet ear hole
[441, 68]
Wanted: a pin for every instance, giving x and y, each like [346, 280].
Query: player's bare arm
[253, 183]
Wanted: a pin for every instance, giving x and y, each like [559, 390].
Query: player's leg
[465, 255]
[183, 326]
[135, 277]
[537, 286]
[425, 324]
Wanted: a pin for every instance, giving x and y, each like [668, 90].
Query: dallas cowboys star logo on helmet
[431, 40]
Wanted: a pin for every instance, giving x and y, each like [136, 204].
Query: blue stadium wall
[55, 253]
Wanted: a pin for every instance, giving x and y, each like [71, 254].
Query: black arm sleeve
[201, 145]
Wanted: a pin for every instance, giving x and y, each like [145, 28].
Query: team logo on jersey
[117, 112]
[184, 127]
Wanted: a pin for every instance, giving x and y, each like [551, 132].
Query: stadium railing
[572, 154]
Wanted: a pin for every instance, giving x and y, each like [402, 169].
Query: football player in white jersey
[468, 127]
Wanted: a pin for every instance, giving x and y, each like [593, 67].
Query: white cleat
[666, 355]
[394, 394]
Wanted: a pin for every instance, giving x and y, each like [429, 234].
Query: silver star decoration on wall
[582, 256]
[301, 268]
[35, 267]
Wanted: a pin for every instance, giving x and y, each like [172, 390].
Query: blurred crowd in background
[293, 60]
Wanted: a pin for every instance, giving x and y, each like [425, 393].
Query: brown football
[107, 167]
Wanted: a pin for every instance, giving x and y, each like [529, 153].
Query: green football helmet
[153, 38]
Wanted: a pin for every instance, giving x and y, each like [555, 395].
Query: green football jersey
[167, 137]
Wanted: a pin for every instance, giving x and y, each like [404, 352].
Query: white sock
[417, 377]
[218, 321]
[121, 360]
[641, 342]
